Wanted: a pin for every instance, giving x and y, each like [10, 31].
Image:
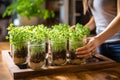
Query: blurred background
[66, 11]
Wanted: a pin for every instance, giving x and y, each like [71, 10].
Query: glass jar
[36, 56]
[73, 45]
[58, 53]
[19, 53]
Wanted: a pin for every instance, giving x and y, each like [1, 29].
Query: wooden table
[111, 73]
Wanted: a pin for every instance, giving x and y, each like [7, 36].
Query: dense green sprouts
[18, 36]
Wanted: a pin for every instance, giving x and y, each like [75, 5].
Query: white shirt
[104, 11]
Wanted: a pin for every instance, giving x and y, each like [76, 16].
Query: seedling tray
[21, 71]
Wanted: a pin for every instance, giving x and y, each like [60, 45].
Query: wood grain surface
[111, 73]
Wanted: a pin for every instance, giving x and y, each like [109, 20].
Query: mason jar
[36, 56]
[19, 53]
[73, 45]
[58, 53]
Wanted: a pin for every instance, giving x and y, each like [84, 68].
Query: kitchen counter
[111, 73]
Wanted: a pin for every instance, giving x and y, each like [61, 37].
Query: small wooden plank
[11, 66]
[21, 73]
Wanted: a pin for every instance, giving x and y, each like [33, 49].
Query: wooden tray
[18, 73]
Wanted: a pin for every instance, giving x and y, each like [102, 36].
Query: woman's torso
[104, 11]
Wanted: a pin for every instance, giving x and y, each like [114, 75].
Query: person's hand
[89, 49]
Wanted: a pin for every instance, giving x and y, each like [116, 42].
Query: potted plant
[18, 37]
[37, 47]
[28, 10]
[77, 38]
[58, 38]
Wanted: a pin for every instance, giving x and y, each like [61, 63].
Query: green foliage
[18, 36]
[38, 34]
[79, 32]
[58, 36]
[28, 8]
[58, 32]
[76, 36]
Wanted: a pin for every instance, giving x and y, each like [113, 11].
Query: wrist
[99, 40]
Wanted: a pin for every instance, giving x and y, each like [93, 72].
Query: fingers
[86, 51]
[86, 56]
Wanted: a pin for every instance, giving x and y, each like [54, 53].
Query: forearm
[112, 28]
[91, 24]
